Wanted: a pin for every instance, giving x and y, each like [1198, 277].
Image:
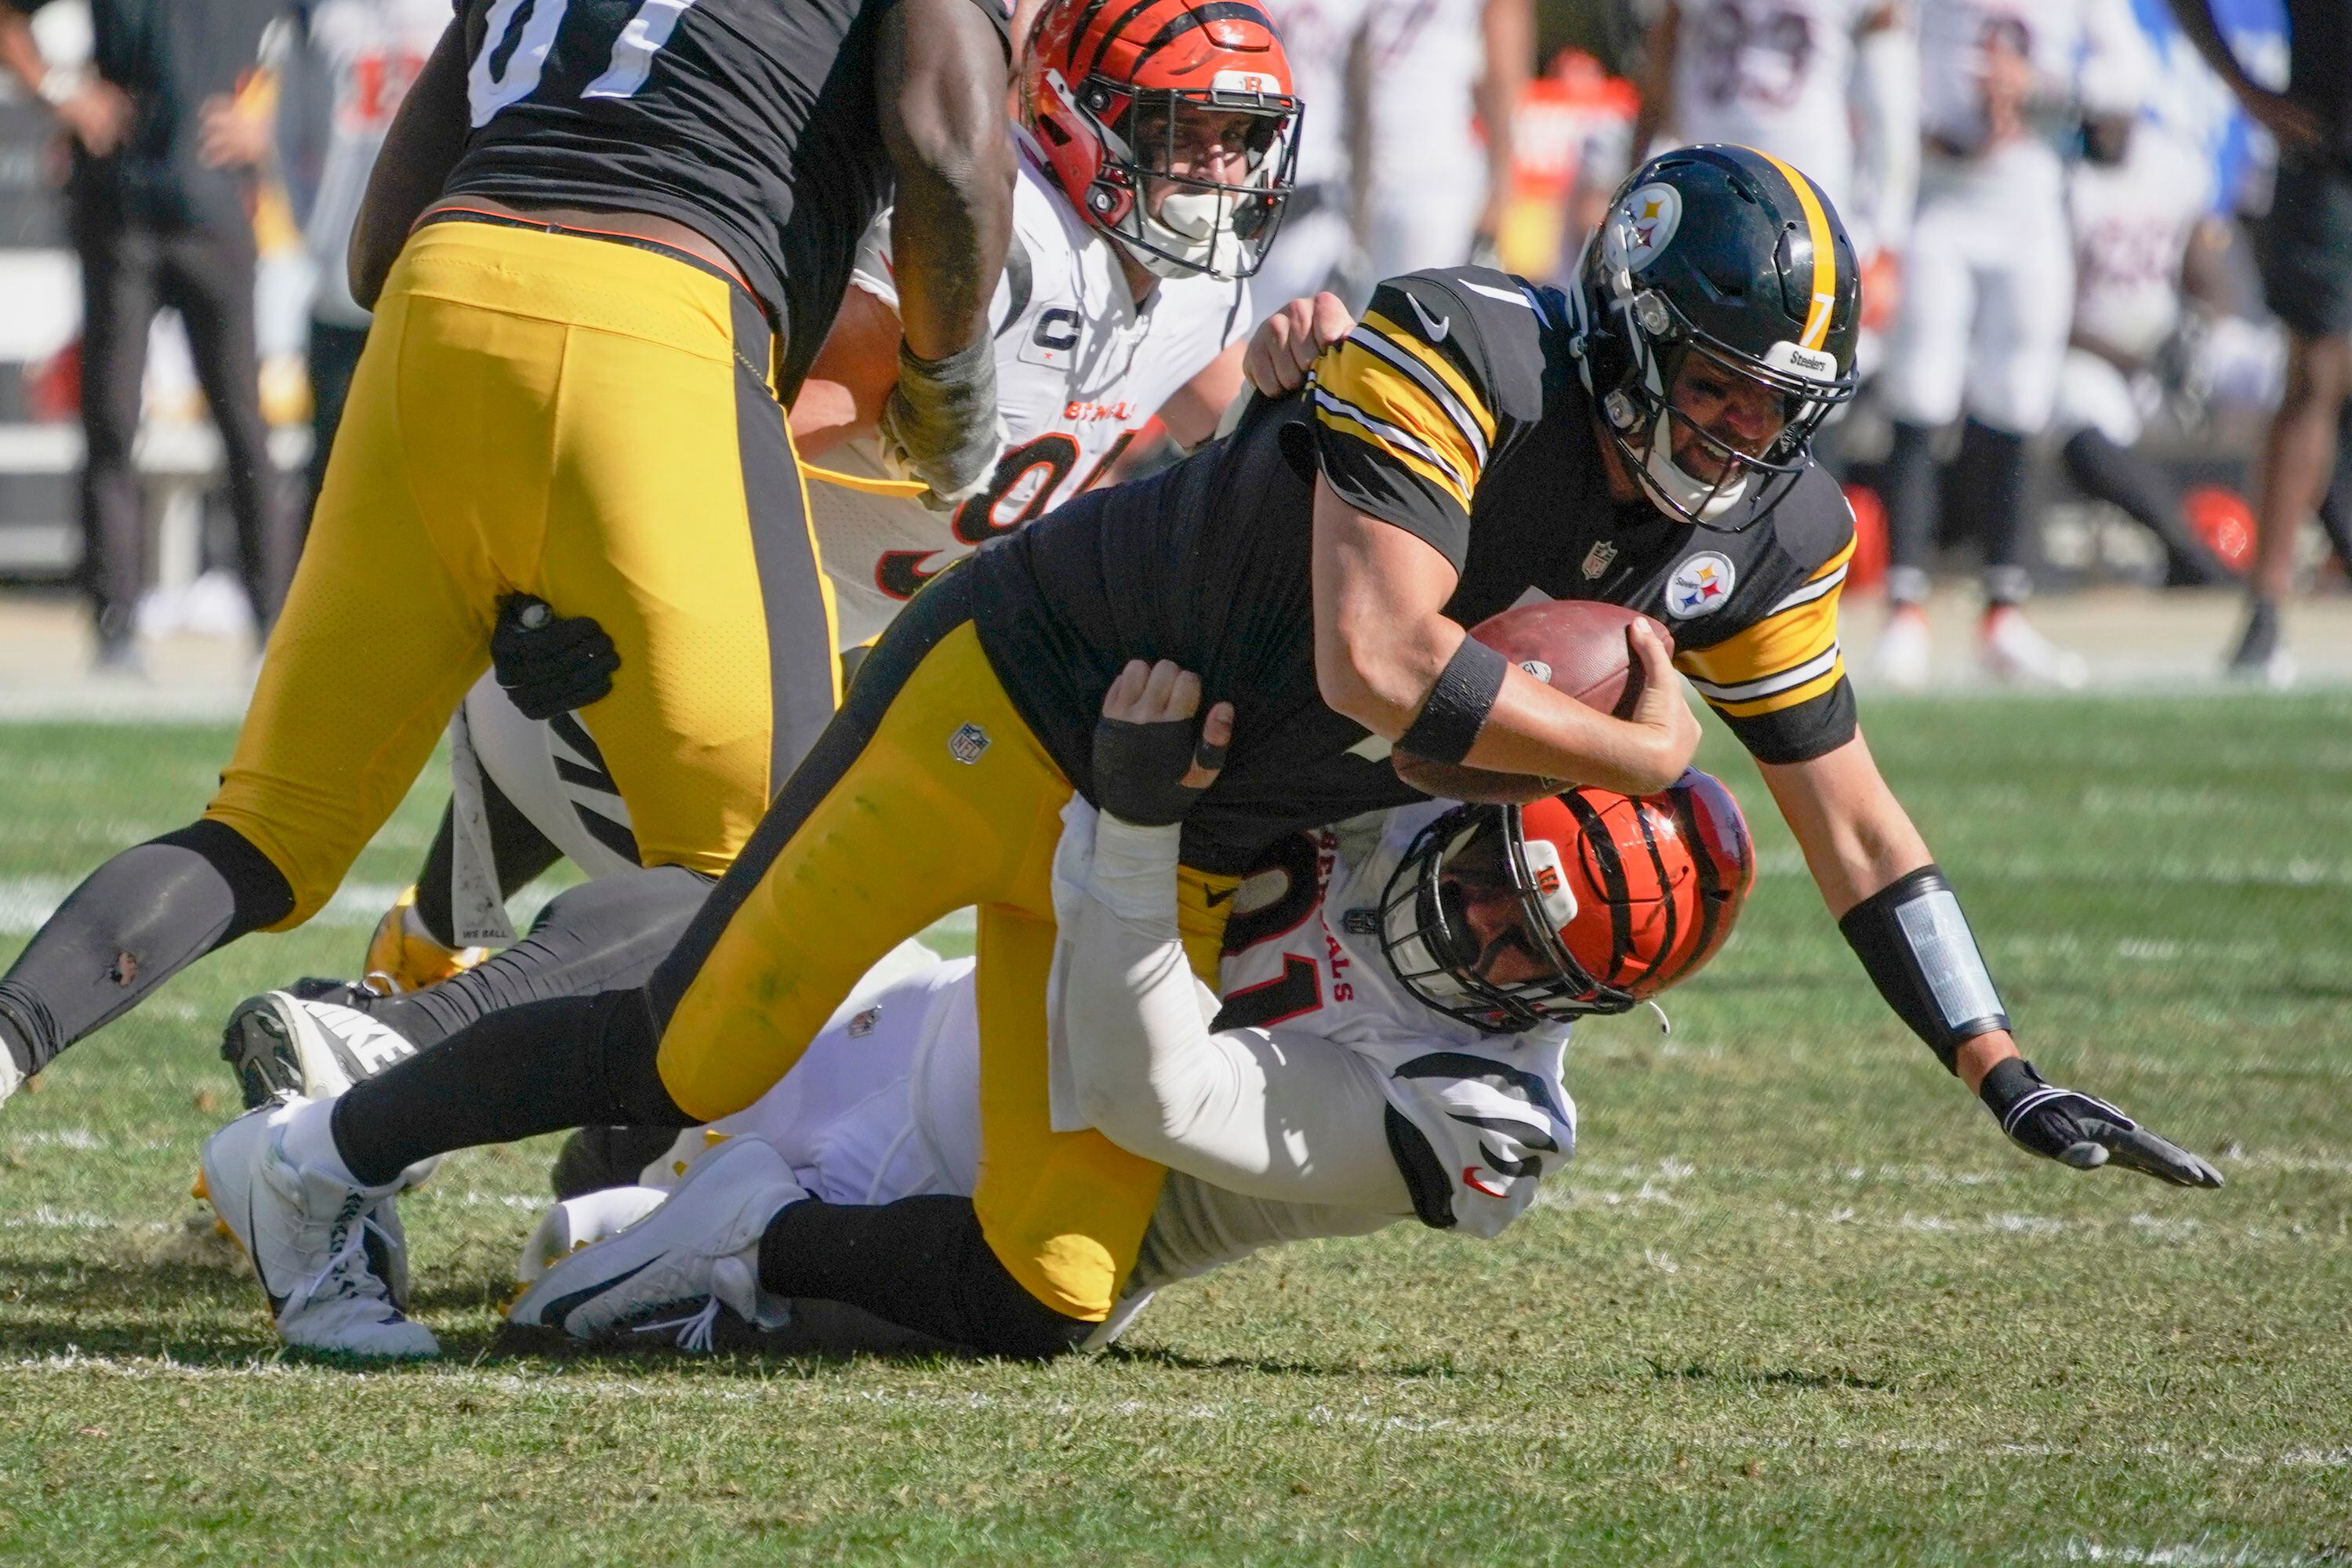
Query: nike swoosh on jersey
[1213, 898]
[1437, 328]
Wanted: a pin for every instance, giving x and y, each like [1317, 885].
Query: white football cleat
[279, 1044]
[582, 1222]
[1904, 649]
[696, 1252]
[2014, 652]
[331, 1257]
[12, 1078]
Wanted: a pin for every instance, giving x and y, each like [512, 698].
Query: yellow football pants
[928, 793]
[587, 421]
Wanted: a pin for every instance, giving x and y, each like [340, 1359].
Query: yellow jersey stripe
[1796, 696]
[1349, 420]
[1383, 394]
[1439, 366]
[1817, 227]
[1779, 642]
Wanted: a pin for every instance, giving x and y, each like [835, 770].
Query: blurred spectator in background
[2137, 202]
[164, 133]
[1829, 86]
[1319, 245]
[369, 51]
[1439, 72]
[2304, 248]
[1988, 298]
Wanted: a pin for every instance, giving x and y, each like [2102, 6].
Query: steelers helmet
[1732, 255]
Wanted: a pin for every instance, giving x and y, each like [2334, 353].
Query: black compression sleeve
[1457, 705]
[519, 850]
[1915, 942]
[920, 1263]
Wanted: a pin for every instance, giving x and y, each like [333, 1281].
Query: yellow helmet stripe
[1817, 224]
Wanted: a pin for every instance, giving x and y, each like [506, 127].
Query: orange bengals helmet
[1619, 897]
[1110, 91]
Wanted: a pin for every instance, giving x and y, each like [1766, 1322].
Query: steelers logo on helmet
[1510, 918]
[1169, 124]
[1718, 309]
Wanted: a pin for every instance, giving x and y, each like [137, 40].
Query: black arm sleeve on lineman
[920, 1263]
[542, 1068]
[604, 935]
[521, 853]
[136, 921]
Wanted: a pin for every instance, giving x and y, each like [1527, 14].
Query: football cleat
[12, 1078]
[402, 956]
[279, 1044]
[581, 1222]
[675, 1269]
[331, 1257]
[2261, 657]
[2016, 653]
[1904, 649]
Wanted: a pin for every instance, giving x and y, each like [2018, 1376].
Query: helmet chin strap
[1702, 500]
[1186, 232]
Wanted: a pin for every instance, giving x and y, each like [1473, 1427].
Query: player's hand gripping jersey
[1454, 411]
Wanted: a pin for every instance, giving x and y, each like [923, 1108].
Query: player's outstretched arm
[941, 80]
[426, 138]
[1301, 1121]
[1904, 923]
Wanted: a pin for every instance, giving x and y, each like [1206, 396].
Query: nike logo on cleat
[552, 1315]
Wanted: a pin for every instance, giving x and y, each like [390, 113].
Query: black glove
[2079, 1131]
[941, 423]
[550, 664]
[1140, 768]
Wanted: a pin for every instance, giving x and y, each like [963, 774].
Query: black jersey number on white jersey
[514, 53]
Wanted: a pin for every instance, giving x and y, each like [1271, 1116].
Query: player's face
[1492, 914]
[1710, 400]
[1198, 142]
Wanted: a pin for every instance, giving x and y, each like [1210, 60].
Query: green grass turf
[1796, 1301]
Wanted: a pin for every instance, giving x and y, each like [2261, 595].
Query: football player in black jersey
[1640, 440]
[638, 217]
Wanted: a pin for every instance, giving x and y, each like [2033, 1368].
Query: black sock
[2336, 506]
[604, 935]
[1909, 479]
[2125, 478]
[519, 849]
[920, 1263]
[1988, 480]
[136, 921]
[539, 1068]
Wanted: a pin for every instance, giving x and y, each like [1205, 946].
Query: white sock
[308, 1139]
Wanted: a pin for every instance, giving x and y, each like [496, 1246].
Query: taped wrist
[1915, 942]
[1458, 704]
[1139, 769]
[942, 416]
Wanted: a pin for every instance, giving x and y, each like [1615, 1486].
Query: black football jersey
[752, 122]
[1454, 412]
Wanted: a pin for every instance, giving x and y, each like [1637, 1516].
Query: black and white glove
[550, 664]
[2083, 1132]
[941, 424]
[1148, 769]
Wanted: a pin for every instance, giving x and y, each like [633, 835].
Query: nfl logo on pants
[967, 743]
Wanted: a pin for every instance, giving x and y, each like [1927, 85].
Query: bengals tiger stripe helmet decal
[1117, 93]
[1620, 896]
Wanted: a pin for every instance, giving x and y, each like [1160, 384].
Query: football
[1572, 646]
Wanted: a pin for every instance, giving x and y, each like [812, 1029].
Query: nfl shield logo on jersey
[967, 743]
[1699, 584]
[1597, 559]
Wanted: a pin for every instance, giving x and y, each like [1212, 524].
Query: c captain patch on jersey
[1080, 372]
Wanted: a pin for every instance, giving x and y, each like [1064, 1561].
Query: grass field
[1797, 1302]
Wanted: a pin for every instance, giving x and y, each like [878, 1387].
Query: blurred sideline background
[2202, 397]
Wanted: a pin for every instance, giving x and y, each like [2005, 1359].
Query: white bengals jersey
[1775, 75]
[1316, 37]
[1427, 59]
[1475, 1120]
[1080, 371]
[2131, 222]
[2089, 54]
[371, 50]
